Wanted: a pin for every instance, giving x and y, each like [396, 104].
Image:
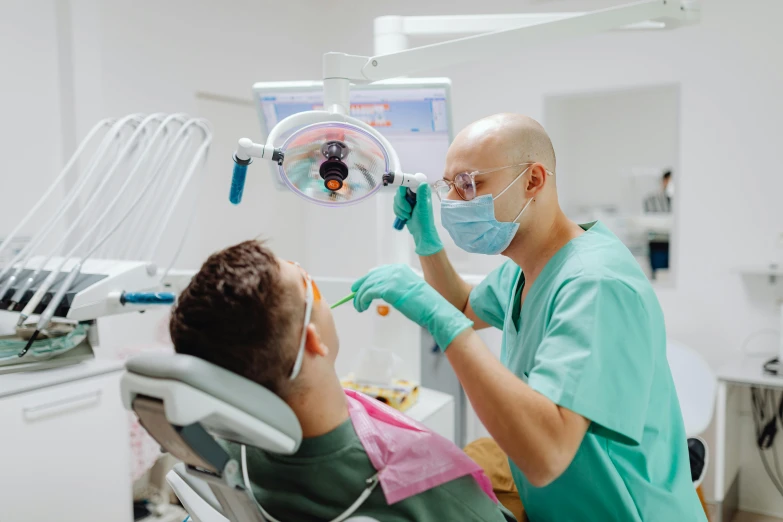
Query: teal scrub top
[591, 338]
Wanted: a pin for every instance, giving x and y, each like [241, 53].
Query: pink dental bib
[409, 458]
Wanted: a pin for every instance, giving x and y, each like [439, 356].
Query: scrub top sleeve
[597, 357]
[490, 298]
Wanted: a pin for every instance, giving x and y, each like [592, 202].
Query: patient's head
[244, 311]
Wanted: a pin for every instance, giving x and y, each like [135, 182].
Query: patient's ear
[313, 343]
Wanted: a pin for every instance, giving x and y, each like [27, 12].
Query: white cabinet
[64, 450]
[435, 410]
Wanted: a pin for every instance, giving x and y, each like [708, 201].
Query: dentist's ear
[313, 343]
[537, 179]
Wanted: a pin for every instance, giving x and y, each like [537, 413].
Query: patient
[244, 311]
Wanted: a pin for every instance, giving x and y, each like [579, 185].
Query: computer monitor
[414, 114]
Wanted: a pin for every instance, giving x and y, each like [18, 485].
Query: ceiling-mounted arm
[340, 69]
[478, 24]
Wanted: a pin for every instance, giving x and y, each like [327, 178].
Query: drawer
[65, 453]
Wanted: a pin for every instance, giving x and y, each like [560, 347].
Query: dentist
[582, 400]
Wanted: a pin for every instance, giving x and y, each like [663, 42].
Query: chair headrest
[226, 404]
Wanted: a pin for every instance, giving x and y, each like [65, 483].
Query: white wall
[603, 136]
[30, 131]
[158, 56]
[154, 55]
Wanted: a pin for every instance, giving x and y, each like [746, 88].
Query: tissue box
[400, 395]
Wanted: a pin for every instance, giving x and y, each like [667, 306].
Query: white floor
[750, 517]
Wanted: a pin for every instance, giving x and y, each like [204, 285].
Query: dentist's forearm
[440, 275]
[538, 436]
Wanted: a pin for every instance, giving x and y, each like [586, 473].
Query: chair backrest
[696, 385]
[191, 391]
[183, 401]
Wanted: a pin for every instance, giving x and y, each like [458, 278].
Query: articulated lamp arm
[340, 69]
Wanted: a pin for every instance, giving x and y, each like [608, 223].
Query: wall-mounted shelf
[773, 271]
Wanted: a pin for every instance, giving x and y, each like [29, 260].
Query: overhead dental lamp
[333, 159]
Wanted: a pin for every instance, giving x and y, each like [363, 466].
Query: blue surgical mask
[473, 226]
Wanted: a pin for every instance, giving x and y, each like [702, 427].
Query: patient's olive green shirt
[328, 473]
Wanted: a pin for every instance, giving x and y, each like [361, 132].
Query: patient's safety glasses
[312, 294]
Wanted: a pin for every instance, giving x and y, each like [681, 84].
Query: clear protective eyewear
[312, 294]
[465, 182]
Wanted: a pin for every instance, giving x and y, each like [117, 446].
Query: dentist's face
[479, 148]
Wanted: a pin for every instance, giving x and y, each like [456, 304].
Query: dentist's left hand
[421, 221]
[399, 286]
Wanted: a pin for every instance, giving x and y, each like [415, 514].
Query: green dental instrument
[343, 301]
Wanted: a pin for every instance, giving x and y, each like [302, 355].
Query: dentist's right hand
[399, 286]
[421, 222]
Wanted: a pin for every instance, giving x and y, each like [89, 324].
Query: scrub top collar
[517, 306]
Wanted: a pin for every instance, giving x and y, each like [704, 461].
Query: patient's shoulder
[460, 499]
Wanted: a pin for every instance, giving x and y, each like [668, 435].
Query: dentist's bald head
[514, 141]
[501, 139]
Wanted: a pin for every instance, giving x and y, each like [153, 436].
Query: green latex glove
[399, 286]
[421, 222]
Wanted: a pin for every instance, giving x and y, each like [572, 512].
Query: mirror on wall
[617, 162]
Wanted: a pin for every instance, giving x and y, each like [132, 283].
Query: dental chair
[185, 403]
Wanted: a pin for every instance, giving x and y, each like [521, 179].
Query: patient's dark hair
[238, 314]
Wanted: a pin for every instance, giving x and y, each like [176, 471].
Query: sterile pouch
[43, 349]
[409, 458]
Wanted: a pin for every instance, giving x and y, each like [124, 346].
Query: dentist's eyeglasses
[465, 182]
